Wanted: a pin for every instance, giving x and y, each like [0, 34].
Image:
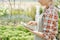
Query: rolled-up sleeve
[50, 25]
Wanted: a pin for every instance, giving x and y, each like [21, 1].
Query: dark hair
[51, 0]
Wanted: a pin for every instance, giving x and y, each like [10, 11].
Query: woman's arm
[40, 34]
[32, 23]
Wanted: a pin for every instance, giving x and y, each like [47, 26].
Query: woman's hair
[49, 0]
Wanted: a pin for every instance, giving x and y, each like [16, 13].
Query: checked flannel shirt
[50, 23]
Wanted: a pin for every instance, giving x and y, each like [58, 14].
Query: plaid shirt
[50, 23]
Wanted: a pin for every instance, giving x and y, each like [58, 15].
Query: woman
[50, 21]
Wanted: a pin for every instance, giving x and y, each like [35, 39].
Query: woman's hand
[32, 23]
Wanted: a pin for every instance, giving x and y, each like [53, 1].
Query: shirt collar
[51, 6]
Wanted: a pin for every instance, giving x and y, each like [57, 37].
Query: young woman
[50, 21]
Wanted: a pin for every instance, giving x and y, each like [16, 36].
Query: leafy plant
[59, 24]
[56, 2]
[3, 11]
[15, 33]
[59, 14]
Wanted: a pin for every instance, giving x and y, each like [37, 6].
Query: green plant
[59, 14]
[3, 11]
[59, 24]
[56, 2]
[15, 33]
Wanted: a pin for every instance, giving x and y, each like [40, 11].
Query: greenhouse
[13, 12]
